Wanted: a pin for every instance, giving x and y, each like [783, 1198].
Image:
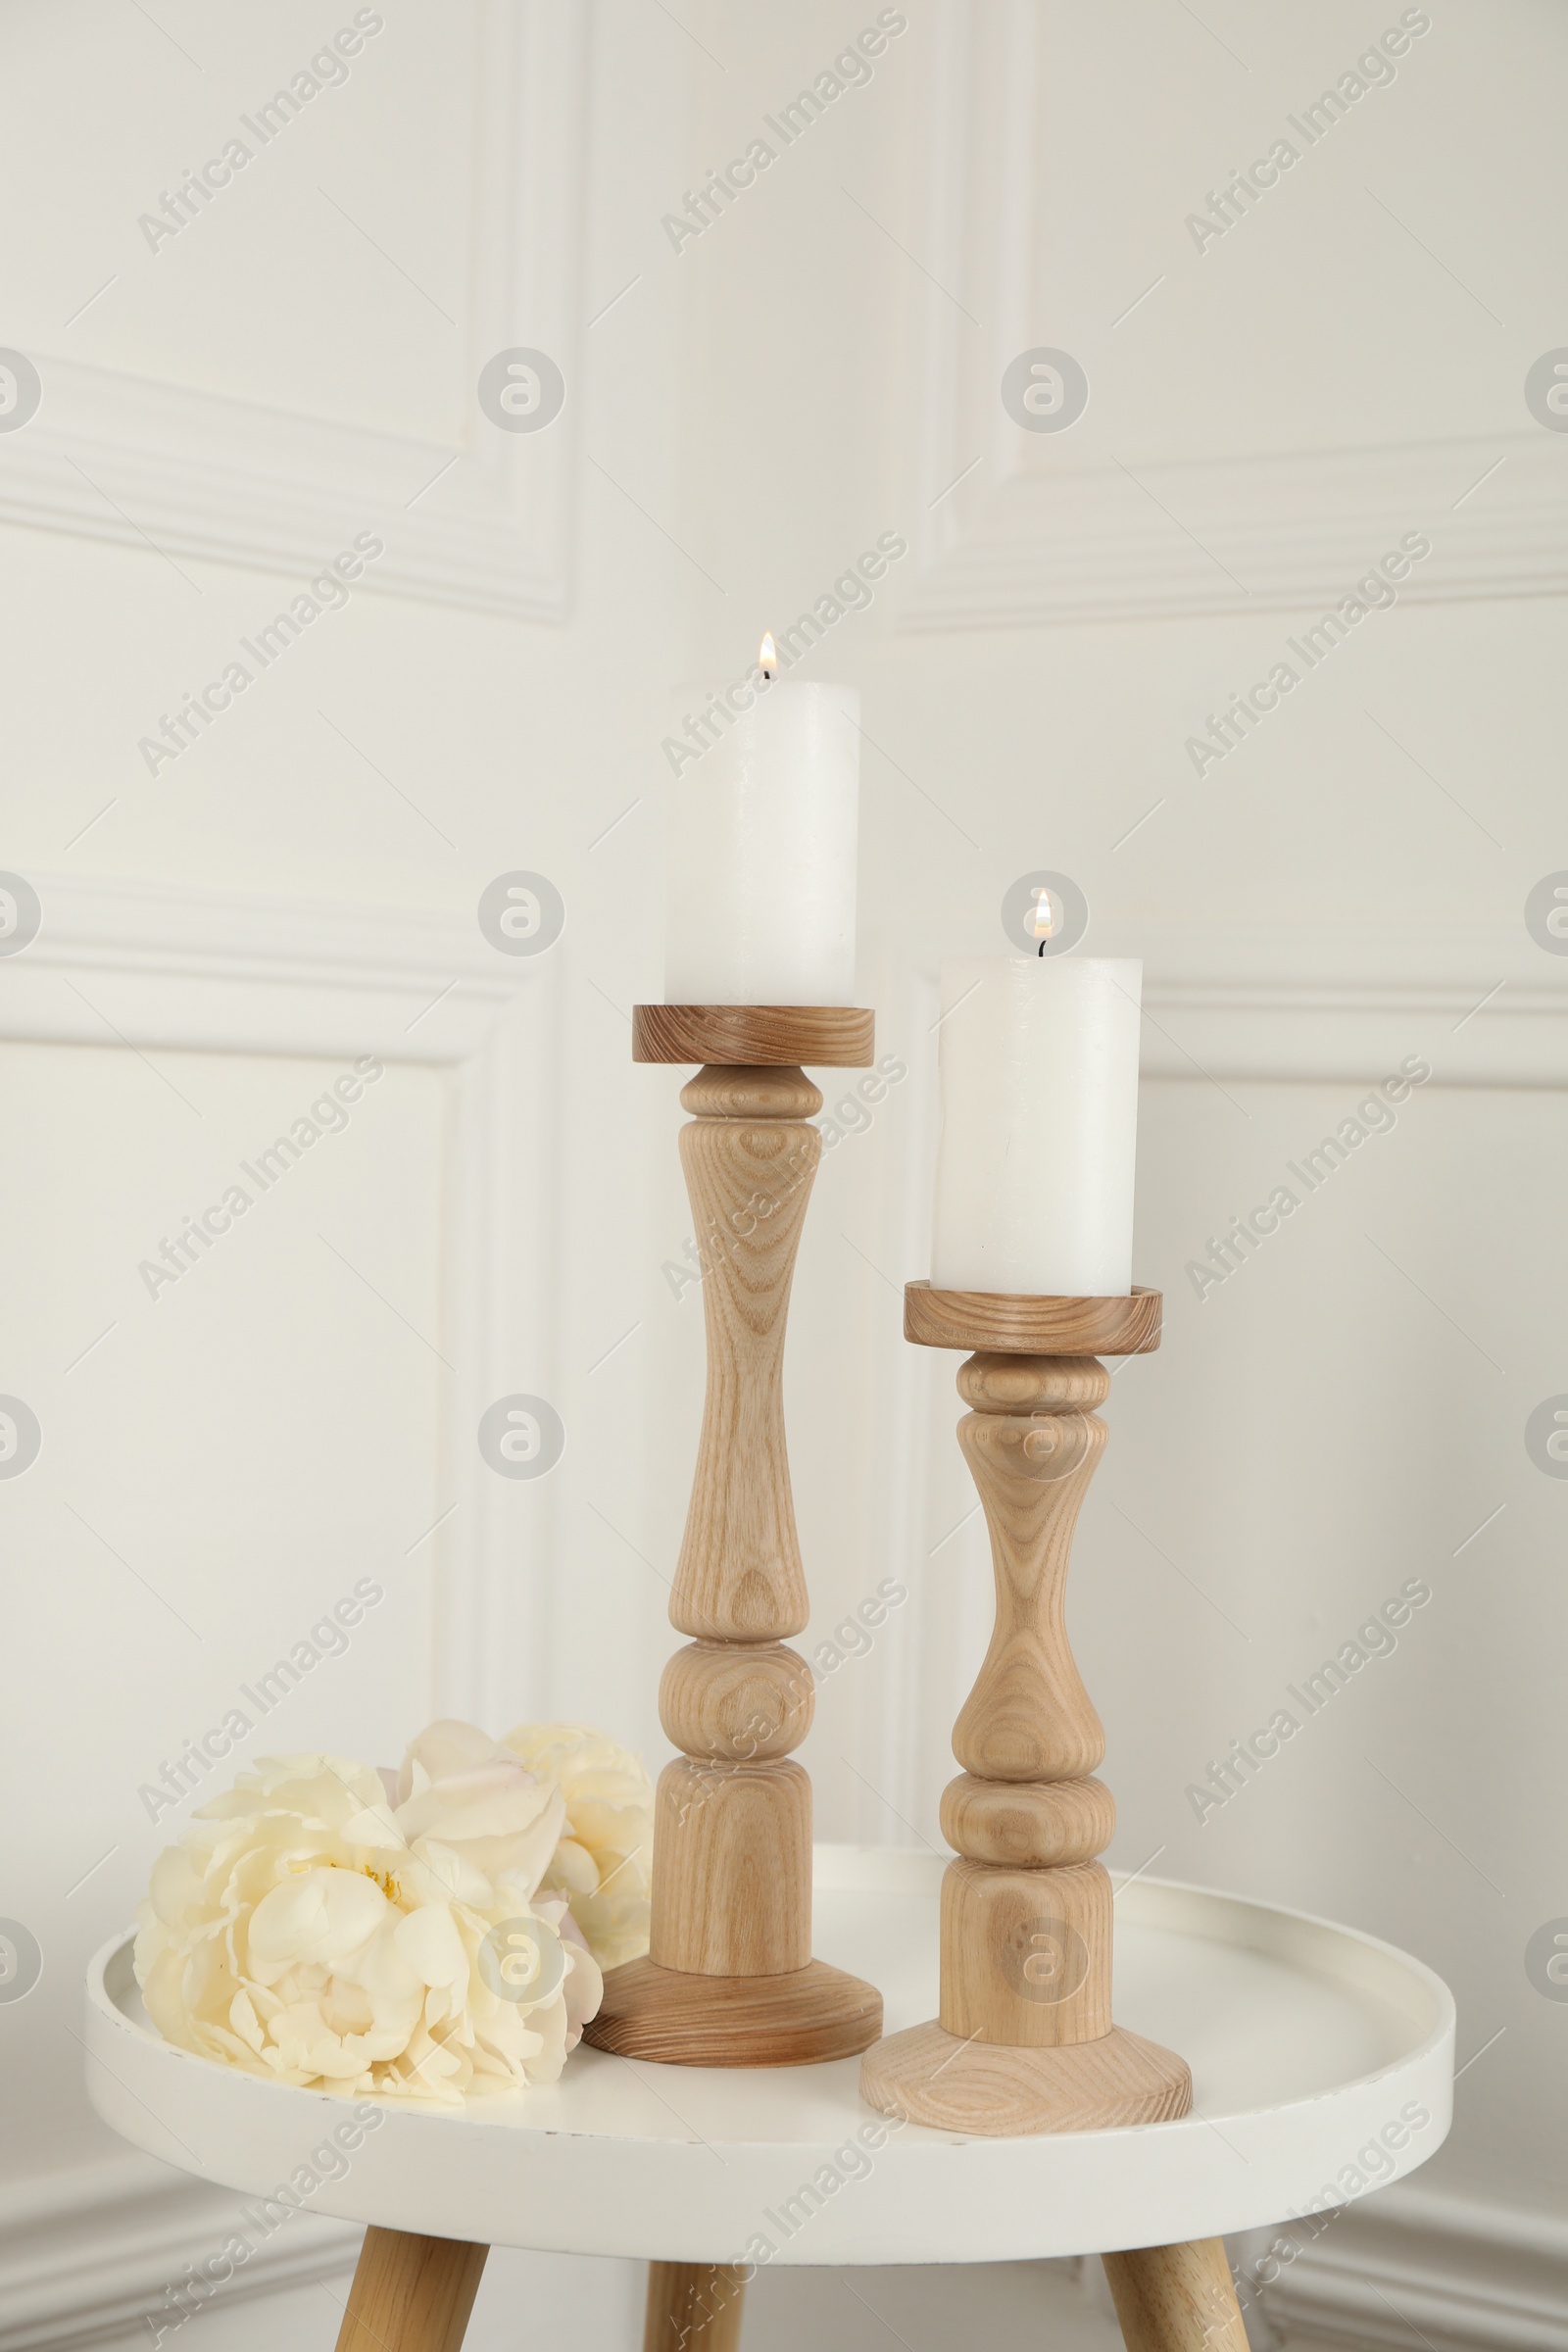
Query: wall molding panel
[1486, 1006]
[115, 457]
[1016, 530]
[159, 970]
[1290, 531]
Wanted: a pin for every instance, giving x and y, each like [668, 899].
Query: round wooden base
[798, 2019]
[998, 2091]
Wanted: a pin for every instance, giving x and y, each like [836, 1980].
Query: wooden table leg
[1176, 2298]
[411, 2294]
[693, 2306]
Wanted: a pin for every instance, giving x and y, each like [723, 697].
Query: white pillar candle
[1039, 1066]
[761, 845]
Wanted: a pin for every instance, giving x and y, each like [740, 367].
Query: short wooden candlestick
[1024, 2040]
[729, 1979]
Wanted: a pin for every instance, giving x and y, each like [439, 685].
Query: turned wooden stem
[1032, 1443]
[732, 1840]
[1024, 2040]
[749, 1155]
[1026, 1909]
[728, 1979]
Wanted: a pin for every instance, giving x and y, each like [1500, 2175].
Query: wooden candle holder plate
[839, 1037]
[1015, 1324]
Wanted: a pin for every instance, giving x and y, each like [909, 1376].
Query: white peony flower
[603, 1863]
[313, 1930]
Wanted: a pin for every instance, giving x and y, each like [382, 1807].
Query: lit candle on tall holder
[761, 894]
[759, 982]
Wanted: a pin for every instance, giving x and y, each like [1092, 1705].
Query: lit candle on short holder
[1039, 1066]
[761, 895]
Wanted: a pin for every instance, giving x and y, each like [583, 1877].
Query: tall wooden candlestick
[729, 1979]
[1024, 2040]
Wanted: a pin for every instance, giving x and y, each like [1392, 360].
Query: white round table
[1308, 2043]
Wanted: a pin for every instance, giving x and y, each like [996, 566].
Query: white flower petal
[306, 1929]
[609, 1818]
[429, 1941]
[321, 1915]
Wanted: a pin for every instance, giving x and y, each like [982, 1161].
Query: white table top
[1319, 2057]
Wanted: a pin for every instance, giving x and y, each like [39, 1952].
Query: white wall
[299, 884]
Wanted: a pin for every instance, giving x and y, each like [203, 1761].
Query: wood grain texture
[929, 2077]
[724, 1093]
[1029, 1717]
[738, 1577]
[1176, 2298]
[803, 2019]
[1035, 1825]
[1026, 1326]
[732, 1825]
[737, 1702]
[1025, 1954]
[732, 1869]
[1033, 1384]
[411, 2294]
[838, 1037]
[1024, 2040]
[693, 2306]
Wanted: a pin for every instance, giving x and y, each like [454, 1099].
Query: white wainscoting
[159, 971]
[113, 455]
[1290, 532]
[1020, 527]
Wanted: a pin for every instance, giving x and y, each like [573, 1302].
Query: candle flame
[1044, 922]
[768, 655]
